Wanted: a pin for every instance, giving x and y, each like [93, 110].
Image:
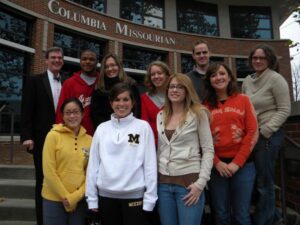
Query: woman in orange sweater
[234, 130]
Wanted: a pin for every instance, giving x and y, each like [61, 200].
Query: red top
[76, 87]
[234, 129]
[149, 111]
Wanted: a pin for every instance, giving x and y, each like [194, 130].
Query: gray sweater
[270, 96]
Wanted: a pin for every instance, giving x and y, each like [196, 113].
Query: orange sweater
[234, 129]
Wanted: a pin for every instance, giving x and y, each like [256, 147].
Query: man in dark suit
[39, 102]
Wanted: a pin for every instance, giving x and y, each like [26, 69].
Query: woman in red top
[234, 130]
[152, 102]
[154, 99]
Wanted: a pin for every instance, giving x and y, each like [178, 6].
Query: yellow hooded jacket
[65, 158]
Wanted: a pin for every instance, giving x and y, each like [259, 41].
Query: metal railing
[6, 110]
[283, 155]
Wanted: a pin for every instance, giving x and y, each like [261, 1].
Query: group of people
[154, 158]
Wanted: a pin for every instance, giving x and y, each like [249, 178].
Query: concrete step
[17, 172]
[17, 188]
[14, 222]
[17, 209]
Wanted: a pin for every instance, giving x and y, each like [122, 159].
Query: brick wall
[292, 128]
[229, 48]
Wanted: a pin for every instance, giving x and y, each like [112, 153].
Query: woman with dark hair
[185, 154]
[111, 73]
[65, 157]
[122, 170]
[269, 93]
[234, 130]
[154, 99]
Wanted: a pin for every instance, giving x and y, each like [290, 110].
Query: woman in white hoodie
[122, 171]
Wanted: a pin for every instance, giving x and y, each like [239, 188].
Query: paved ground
[20, 156]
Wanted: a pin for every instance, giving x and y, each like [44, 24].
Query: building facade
[138, 31]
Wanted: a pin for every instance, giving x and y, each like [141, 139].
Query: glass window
[98, 5]
[242, 68]
[139, 59]
[13, 66]
[147, 12]
[136, 58]
[74, 43]
[197, 17]
[251, 22]
[187, 63]
[14, 28]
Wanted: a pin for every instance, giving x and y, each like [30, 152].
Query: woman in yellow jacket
[65, 157]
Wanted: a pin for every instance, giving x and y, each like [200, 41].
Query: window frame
[163, 54]
[261, 10]
[143, 14]
[81, 2]
[15, 107]
[25, 18]
[209, 8]
[80, 36]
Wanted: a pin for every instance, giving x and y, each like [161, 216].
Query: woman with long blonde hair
[185, 154]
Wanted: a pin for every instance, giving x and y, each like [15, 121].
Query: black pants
[154, 217]
[122, 212]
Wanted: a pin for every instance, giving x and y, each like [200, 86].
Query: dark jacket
[100, 105]
[198, 82]
[37, 110]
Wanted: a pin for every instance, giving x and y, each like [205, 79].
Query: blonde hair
[148, 83]
[122, 75]
[191, 103]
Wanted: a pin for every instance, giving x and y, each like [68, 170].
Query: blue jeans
[265, 155]
[172, 210]
[232, 195]
[54, 213]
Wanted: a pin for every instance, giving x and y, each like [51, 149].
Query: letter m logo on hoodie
[134, 138]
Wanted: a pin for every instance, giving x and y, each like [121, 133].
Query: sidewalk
[20, 156]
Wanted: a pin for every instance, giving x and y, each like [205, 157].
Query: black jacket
[100, 105]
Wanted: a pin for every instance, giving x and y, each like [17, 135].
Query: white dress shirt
[55, 87]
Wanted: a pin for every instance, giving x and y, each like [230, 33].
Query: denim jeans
[265, 155]
[54, 213]
[232, 195]
[171, 207]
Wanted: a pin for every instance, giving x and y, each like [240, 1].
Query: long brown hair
[210, 94]
[192, 102]
[270, 56]
[122, 75]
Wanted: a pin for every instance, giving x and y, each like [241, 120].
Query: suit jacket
[37, 112]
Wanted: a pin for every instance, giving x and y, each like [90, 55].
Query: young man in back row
[81, 85]
[201, 56]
